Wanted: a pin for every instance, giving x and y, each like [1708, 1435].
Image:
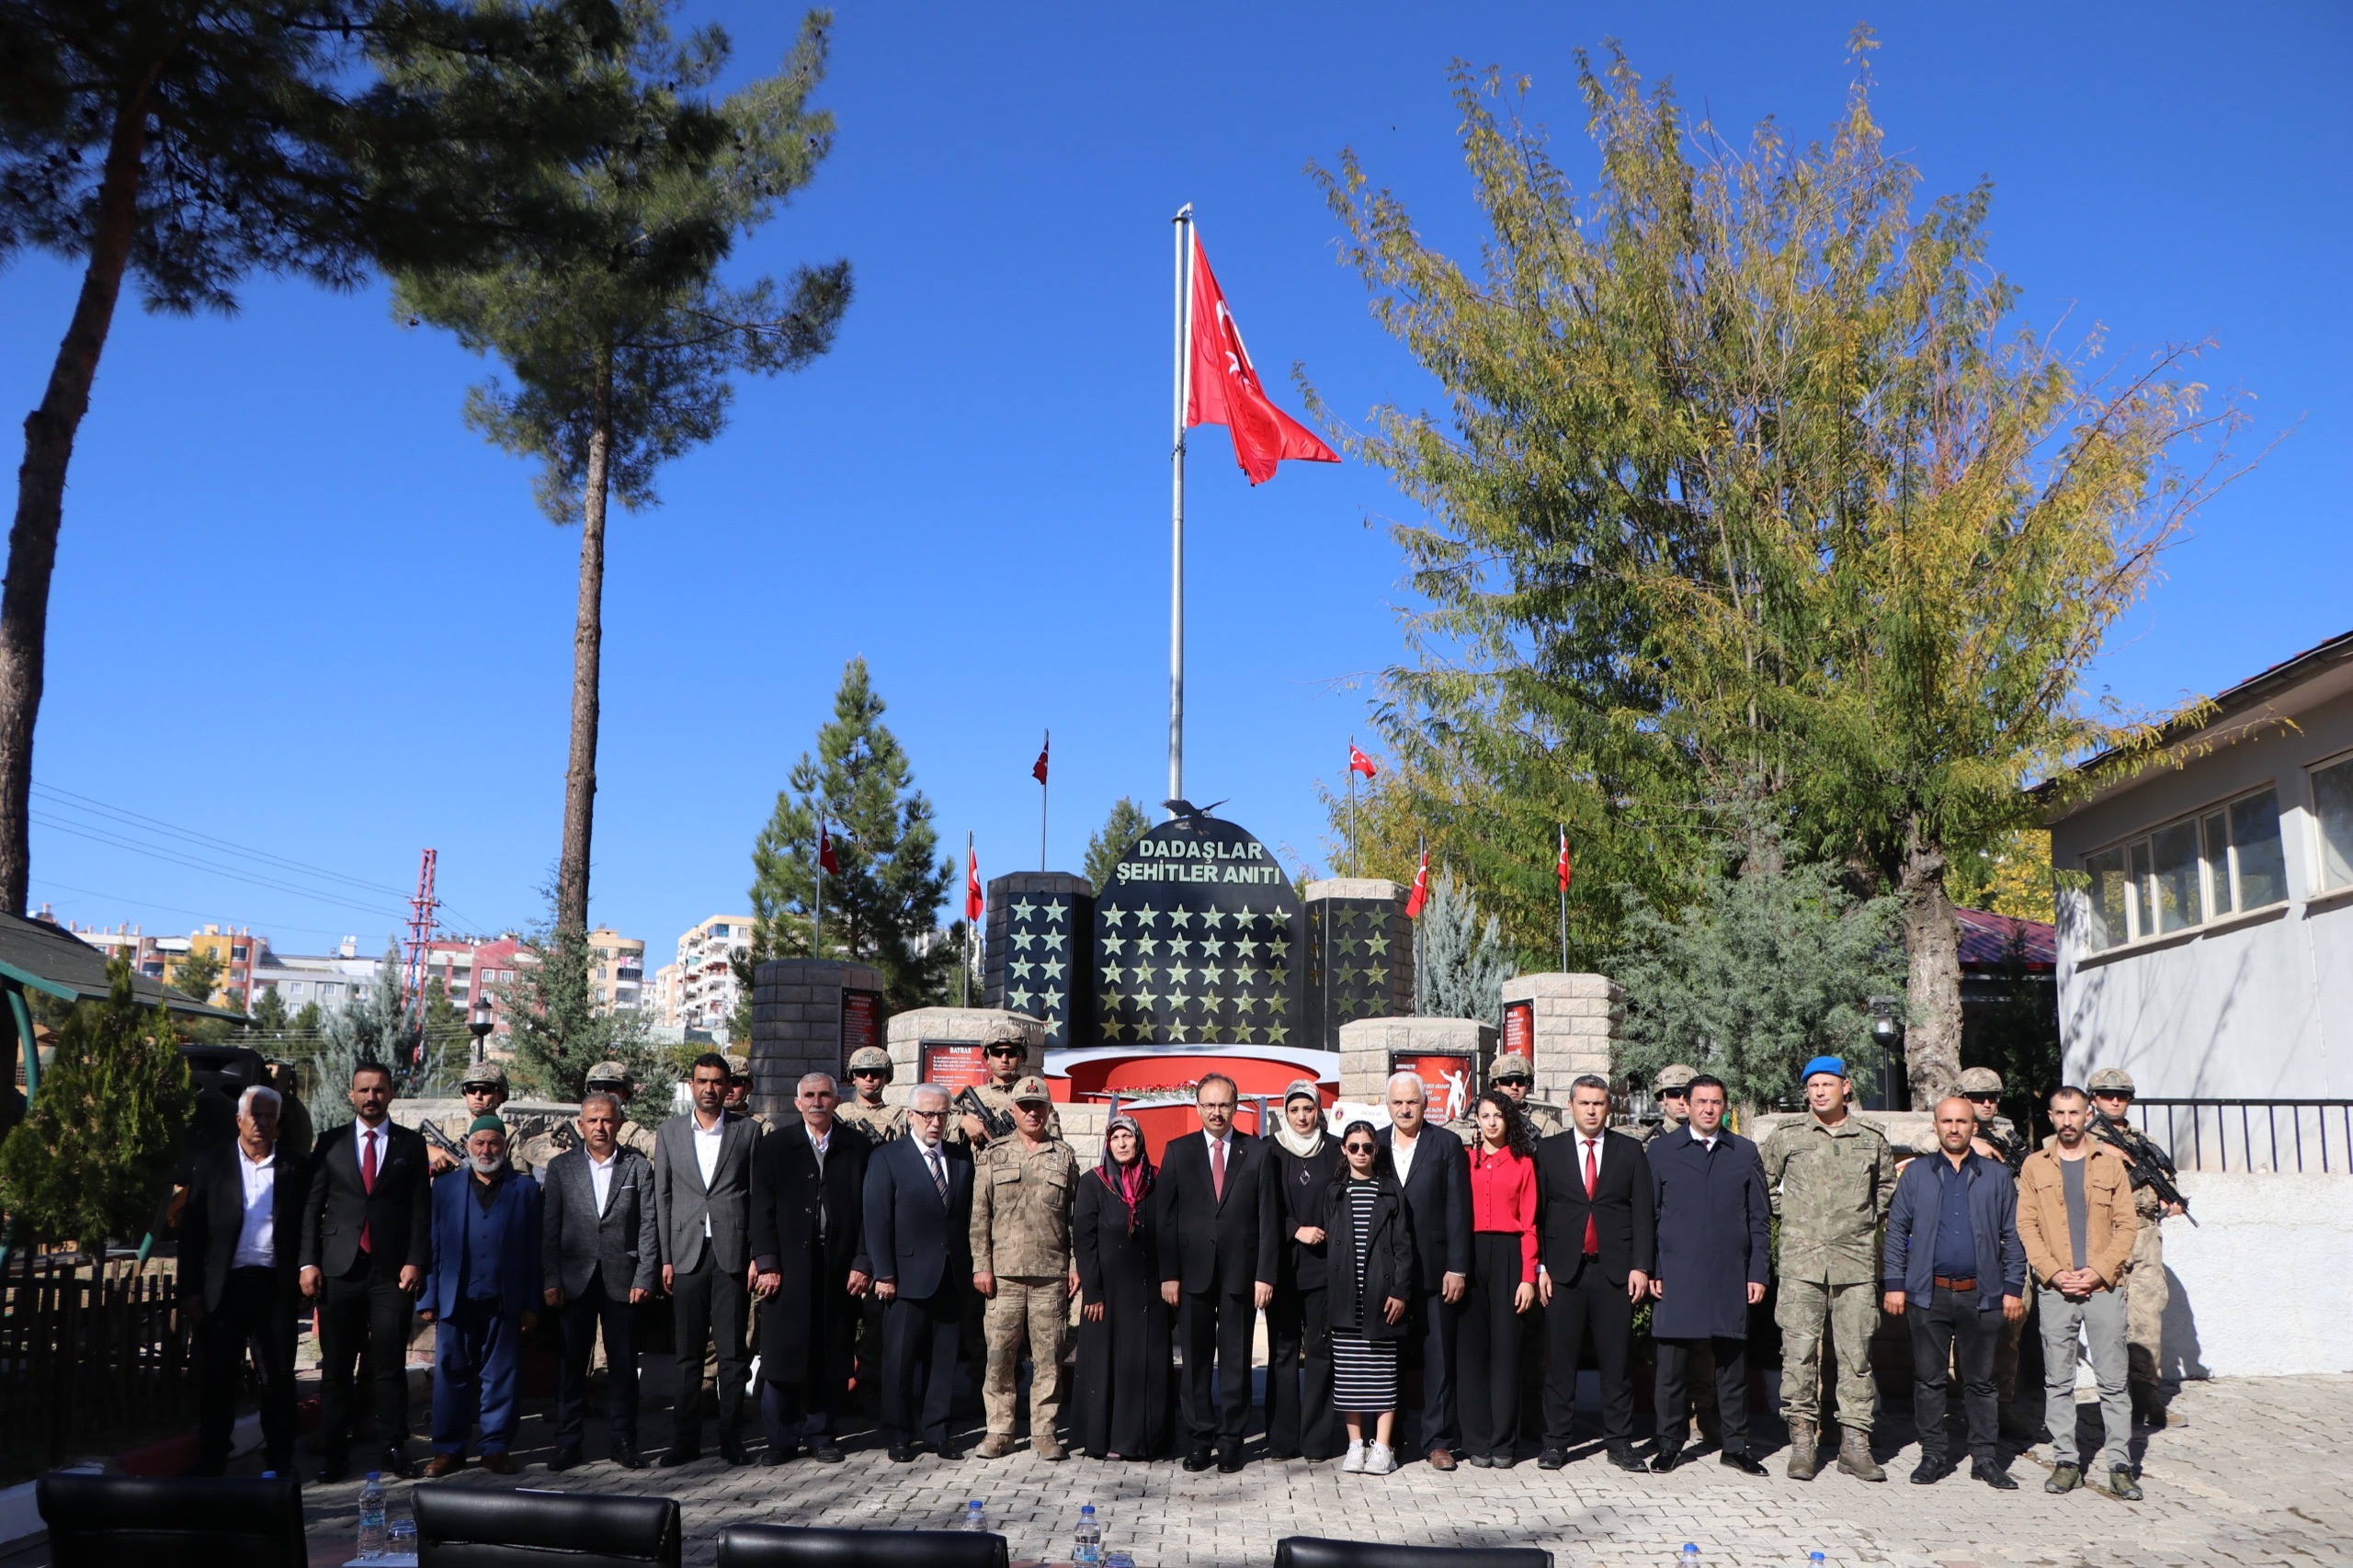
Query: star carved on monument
[1246, 946]
[1019, 969]
[1055, 939]
[1378, 976]
[1113, 1028]
[1176, 973]
[1052, 998]
[1214, 946]
[1276, 1033]
[1147, 946]
[1023, 939]
[1053, 969]
[1114, 918]
[1055, 908]
[1115, 945]
[1023, 909]
[1212, 976]
[1377, 945]
[1279, 949]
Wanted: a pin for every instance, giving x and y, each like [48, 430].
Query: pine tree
[269, 1013]
[198, 974]
[99, 1142]
[888, 893]
[1460, 961]
[615, 327]
[1127, 822]
[558, 1035]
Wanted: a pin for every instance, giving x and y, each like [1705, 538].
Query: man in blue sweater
[1955, 1268]
[483, 1293]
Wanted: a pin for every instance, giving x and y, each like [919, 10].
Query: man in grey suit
[702, 1188]
[599, 1251]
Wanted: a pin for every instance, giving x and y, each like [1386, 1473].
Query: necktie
[1217, 1167]
[938, 1173]
[367, 1176]
[1592, 1179]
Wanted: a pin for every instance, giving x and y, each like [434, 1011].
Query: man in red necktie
[1595, 1256]
[1217, 1266]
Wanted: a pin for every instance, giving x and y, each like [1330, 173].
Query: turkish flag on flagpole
[1038, 768]
[1223, 386]
[1562, 868]
[974, 902]
[1421, 893]
[825, 852]
[1359, 763]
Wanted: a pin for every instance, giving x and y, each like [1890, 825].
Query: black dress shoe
[825, 1450]
[1665, 1459]
[1280, 1455]
[396, 1461]
[1557, 1459]
[1622, 1455]
[565, 1458]
[677, 1457]
[1993, 1476]
[732, 1450]
[773, 1456]
[1929, 1472]
[1198, 1459]
[903, 1453]
[626, 1456]
[1229, 1463]
[951, 1452]
[1740, 1462]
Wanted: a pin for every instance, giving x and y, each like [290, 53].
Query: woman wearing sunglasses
[1370, 1247]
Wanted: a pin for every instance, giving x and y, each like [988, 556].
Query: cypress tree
[1460, 961]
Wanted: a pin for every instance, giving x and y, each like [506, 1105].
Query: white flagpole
[817, 911]
[964, 980]
[1045, 751]
[1356, 863]
[1183, 223]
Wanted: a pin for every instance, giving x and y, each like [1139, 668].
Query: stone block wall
[1577, 1019]
[1368, 1046]
[950, 1026]
[797, 1024]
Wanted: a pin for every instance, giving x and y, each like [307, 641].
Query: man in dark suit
[1217, 1266]
[1714, 1256]
[1593, 1191]
[367, 1236]
[702, 1185]
[601, 1251]
[1434, 1170]
[483, 1293]
[918, 1203]
[241, 1236]
[808, 1250]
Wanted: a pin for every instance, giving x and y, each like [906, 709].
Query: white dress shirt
[1710, 1140]
[1401, 1154]
[256, 1235]
[1583, 1143]
[600, 1177]
[707, 1143]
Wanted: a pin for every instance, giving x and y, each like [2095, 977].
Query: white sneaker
[1354, 1463]
[1379, 1459]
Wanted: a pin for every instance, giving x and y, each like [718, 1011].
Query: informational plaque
[1519, 1030]
[861, 1023]
[1199, 941]
[954, 1067]
[1447, 1088]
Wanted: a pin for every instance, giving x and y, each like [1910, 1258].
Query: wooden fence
[88, 1348]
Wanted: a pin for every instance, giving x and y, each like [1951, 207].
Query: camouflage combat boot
[1805, 1450]
[1855, 1455]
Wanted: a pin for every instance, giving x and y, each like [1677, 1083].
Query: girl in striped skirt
[1370, 1251]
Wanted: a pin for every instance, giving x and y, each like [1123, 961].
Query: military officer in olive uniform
[1997, 1138]
[2143, 1286]
[869, 1074]
[1024, 1189]
[612, 1078]
[1831, 1176]
[1513, 1077]
[484, 1088]
[1005, 1047]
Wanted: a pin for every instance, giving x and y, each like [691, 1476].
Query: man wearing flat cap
[1024, 1189]
[1830, 1175]
[484, 1291]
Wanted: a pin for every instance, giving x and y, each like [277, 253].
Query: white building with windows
[705, 985]
[2209, 950]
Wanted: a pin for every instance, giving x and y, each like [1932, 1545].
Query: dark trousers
[1488, 1345]
[477, 1372]
[1299, 1338]
[363, 1311]
[1675, 1392]
[1588, 1305]
[1215, 1327]
[1435, 1324]
[711, 1305]
[580, 1317]
[256, 1312]
[920, 1334]
[1953, 1328]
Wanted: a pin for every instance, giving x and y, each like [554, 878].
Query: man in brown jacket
[2076, 1219]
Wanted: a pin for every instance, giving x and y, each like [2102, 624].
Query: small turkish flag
[1359, 763]
[1223, 386]
[1563, 867]
[1421, 893]
[825, 860]
[973, 902]
[1038, 768]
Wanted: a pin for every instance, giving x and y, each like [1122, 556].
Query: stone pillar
[1360, 955]
[1568, 1022]
[1038, 956]
[807, 1015]
[956, 1030]
[1371, 1048]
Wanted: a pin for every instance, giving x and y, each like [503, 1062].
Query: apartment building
[706, 978]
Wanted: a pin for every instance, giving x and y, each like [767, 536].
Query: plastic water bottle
[1688, 1557]
[1086, 1551]
[1815, 1560]
[372, 1514]
[975, 1519]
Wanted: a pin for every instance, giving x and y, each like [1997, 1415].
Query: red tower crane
[422, 925]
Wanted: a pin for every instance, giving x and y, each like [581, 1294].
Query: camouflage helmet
[612, 1073]
[486, 1074]
[871, 1059]
[1013, 1028]
[1981, 1081]
[2111, 1080]
[1672, 1077]
[1511, 1064]
[738, 1065]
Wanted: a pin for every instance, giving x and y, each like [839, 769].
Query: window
[328, 991]
[293, 988]
[237, 952]
[2333, 810]
[2187, 872]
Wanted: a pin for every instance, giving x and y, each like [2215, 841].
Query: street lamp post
[481, 1021]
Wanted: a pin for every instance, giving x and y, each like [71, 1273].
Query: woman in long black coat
[1122, 1410]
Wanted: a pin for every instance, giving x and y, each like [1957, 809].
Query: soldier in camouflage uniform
[484, 1088]
[1024, 1188]
[739, 1092]
[2143, 1286]
[1512, 1077]
[1006, 1046]
[1831, 1176]
[1672, 1088]
[1997, 1138]
[869, 1073]
[612, 1078]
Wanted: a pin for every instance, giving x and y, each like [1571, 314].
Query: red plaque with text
[1446, 1082]
[1519, 1030]
[954, 1067]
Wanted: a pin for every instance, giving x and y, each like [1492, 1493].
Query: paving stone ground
[2253, 1471]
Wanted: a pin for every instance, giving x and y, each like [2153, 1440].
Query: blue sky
[299, 607]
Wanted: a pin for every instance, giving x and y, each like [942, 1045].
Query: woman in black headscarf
[1122, 1410]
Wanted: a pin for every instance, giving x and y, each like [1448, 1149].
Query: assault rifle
[998, 1122]
[441, 1141]
[2149, 1167]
